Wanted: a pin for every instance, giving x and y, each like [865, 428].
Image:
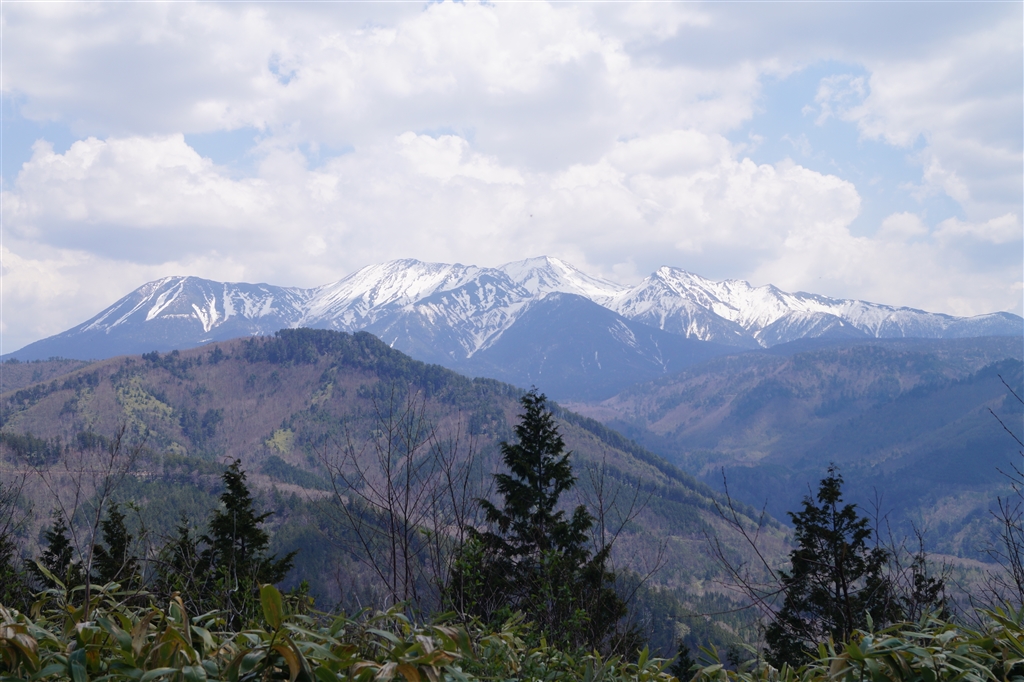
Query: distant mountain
[735, 312]
[544, 275]
[573, 347]
[907, 421]
[450, 314]
[175, 312]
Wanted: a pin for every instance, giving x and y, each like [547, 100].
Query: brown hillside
[302, 396]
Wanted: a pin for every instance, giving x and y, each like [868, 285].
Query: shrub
[122, 642]
[931, 650]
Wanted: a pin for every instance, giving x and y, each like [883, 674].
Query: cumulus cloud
[1004, 229]
[961, 100]
[449, 156]
[539, 83]
[901, 227]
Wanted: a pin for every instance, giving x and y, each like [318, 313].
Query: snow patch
[163, 300]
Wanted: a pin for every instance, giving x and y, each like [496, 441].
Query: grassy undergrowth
[117, 639]
[931, 650]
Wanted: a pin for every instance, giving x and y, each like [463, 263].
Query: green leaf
[386, 635]
[206, 637]
[78, 672]
[76, 666]
[157, 672]
[325, 675]
[51, 669]
[194, 673]
[250, 660]
[50, 576]
[273, 608]
[124, 640]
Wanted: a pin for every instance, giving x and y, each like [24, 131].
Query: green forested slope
[907, 422]
[286, 406]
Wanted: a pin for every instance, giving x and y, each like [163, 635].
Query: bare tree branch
[100, 482]
[405, 495]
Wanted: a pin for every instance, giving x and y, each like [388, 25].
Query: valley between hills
[911, 424]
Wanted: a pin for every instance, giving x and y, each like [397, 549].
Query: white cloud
[1005, 229]
[449, 156]
[541, 84]
[841, 92]
[962, 100]
[920, 274]
[136, 184]
[901, 227]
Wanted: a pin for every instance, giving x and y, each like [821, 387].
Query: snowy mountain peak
[544, 275]
[394, 283]
[441, 312]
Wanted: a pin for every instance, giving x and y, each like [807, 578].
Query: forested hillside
[309, 414]
[908, 422]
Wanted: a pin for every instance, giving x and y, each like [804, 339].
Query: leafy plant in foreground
[146, 644]
[928, 651]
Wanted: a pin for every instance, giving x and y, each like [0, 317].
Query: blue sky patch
[789, 125]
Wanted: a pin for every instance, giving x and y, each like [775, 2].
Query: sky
[851, 149]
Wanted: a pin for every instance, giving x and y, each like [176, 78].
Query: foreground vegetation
[927, 651]
[118, 641]
[122, 642]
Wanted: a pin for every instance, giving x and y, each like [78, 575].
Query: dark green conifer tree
[223, 569]
[14, 589]
[683, 665]
[535, 559]
[236, 551]
[115, 559]
[58, 558]
[835, 579]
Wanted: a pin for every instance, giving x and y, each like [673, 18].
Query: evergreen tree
[58, 558]
[683, 665]
[222, 569]
[835, 580]
[114, 560]
[536, 559]
[236, 552]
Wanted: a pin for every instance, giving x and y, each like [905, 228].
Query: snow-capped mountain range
[451, 312]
